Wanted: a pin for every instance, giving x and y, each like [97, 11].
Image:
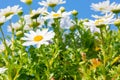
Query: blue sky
[82, 6]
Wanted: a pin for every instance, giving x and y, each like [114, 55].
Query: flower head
[66, 23]
[38, 37]
[57, 14]
[104, 6]
[115, 8]
[10, 11]
[100, 21]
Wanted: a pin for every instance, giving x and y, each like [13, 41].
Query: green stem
[4, 41]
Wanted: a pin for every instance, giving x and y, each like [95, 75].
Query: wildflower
[57, 14]
[74, 12]
[10, 11]
[95, 63]
[104, 6]
[51, 3]
[107, 15]
[37, 37]
[100, 22]
[15, 26]
[2, 70]
[66, 23]
[89, 25]
[62, 9]
[30, 23]
[29, 2]
[2, 20]
[35, 13]
[115, 8]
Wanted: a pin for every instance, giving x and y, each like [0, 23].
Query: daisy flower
[92, 28]
[2, 70]
[51, 3]
[107, 15]
[16, 26]
[37, 37]
[94, 25]
[30, 23]
[101, 21]
[35, 13]
[27, 1]
[104, 6]
[66, 23]
[10, 11]
[57, 14]
[115, 8]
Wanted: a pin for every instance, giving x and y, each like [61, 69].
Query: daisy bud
[20, 13]
[75, 13]
[72, 28]
[62, 9]
[19, 33]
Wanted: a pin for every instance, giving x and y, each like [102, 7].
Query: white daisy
[115, 8]
[10, 11]
[101, 22]
[2, 70]
[104, 6]
[27, 1]
[107, 15]
[51, 3]
[57, 14]
[35, 13]
[92, 28]
[38, 38]
[16, 26]
[30, 23]
[66, 23]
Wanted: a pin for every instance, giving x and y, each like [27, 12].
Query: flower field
[52, 43]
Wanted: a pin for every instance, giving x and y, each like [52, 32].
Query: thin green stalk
[4, 41]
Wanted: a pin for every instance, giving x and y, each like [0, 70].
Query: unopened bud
[20, 12]
[62, 9]
[18, 33]
[75, 13]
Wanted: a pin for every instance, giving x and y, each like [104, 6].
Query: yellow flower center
[56, 15]
[102, 8]
[38, 38]
[99, 21]
[52, 4]
[28, 2]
